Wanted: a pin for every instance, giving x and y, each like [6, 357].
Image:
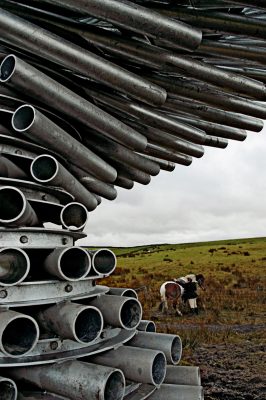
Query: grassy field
[227, 338]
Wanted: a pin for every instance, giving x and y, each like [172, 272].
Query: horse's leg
[178, 312]
[163, 305]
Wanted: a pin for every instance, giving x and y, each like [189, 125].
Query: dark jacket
[190, 291]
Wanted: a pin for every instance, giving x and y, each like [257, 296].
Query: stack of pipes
[96, 95]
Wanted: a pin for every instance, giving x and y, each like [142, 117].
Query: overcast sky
[220, 196]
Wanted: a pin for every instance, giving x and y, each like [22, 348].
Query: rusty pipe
[19, 333]
[14, 266]
[82, 324]
[70, 264]
[47, 170]
[15, 210]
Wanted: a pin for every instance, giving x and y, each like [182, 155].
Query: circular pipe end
[19, 336]
[44, 168]
[88, 325]
[176, 350]
[74, 216]
[7, 68]
[14, 266]
[130, 293]
[8, 389]
[13, 204]
[115, 386]
[159, 369]
[23, 118]
[130, 313]
[104, 261]
[74, 263]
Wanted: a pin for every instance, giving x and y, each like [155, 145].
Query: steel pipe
[32, 123]
[124, 182]
[168, 155]
[74, 216]
[14, 266]
[15, 210]
[70, 264]
[182, 375]
[171, 345]
[146, 326]
[103, 261]
[19, 333]
[83, 324]
[138, 365]
[75, 380]
[150, 116]
[124, 312]
[8, 389]
[131, 16]
[111, 150]
[165, 165]
[47, 170]
[213, 114]
[34, 39]
[180, 392]
[36, 84]
[131, 174]
[8, 169]
[126, 292]
[95, 185]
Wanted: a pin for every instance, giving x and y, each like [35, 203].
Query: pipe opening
[8, 390]
[14, 266]
[158, 369]
[74, 216]
[151, 327]
[176, 350]
[13, 204]
[23, 118]
[104, 261]
[88, 325]
[7, 68]
[75, 263]
[130, 293]
[19, 336]
[44, 168]
[130, 314]
[115, 386]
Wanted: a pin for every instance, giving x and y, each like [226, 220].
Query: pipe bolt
[3, 294]
[68, 288]
[24, 239]
[64, 241]
[53, 345]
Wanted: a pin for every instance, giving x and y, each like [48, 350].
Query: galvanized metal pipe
[19, 333]
[165, 165]
[150, 117]
[92, 183]
[36, 84]
[169, 155]
[8, 169]
[28, 121]
[138, 365]
[132, 174]
[180, 392]
[103, 261]
[182, 375]
[70, 264]
[83, 324]
[131, 16]
[14, 266]
[75, 380]
[213, 114]
[146, 326]
[34, 39]
[8, 389]
[74, 216]
[126, 292]
[124, 312]
[109, 149]
[124, 182]
[15, 210]
[47, 170]
[171, 345]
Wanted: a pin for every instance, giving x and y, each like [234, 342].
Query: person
[190, 295]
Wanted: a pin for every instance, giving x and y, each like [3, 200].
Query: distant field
[227, 339]
[234, 271]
